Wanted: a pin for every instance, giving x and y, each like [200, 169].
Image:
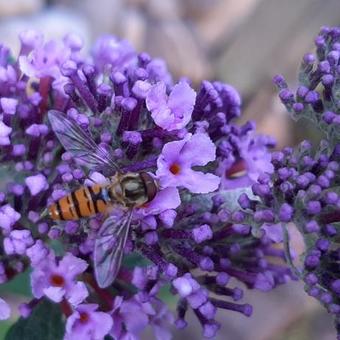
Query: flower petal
[200, 183]
[199, 150]
[77, 294]
[56, 294]
[181, 103]
[5, 310]
[71, 265]
[156, 97]
[165, 199]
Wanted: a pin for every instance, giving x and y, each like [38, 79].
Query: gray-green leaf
[45, 323]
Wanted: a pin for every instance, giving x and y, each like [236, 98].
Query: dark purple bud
[302, 91]
[330, 230]
[334, 308]
[202, 233]
[311, 279]
[314, 292]
[264, 216]
[279, 81]
[331, 197]
[323, 181]
[308, 58]
[322, 244]
[181, 324]
[238, 216]
[242, 229]
[244, 201]
[324, 67]
[210, 329]
[328, 117]
[312, 261]
[326, 298]
[312, 227]
[327, 80]
[298, 107]
[206, 264]
[222, 279]
[314, 191]
[313, 207]
[208, 310]
[335, 285]
[333, 57]
[312, 97]
[286, 96]
[286, 212]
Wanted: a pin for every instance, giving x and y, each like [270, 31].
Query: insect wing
[109, 248]
[80, 144]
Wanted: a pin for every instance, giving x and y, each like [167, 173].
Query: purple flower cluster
[316, 97]
[305, 186]
[186, 237]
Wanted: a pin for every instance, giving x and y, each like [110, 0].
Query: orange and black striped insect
[123, 190]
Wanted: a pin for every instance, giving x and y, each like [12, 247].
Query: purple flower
[88, 323]
[129, 317]
[5, 310]
[109, 51]
[45, 61]
[57, 280]
[5, 131]
[36, 184]
[243, 167]
[37, 252]
[8, 217]
[9, 105]
[171, 112]
[17, 242]
[165, 199]
[177, 159]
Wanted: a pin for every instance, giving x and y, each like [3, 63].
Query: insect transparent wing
[109, 248]
[80, 144]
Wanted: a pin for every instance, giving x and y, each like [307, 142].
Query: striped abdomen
[83, 202]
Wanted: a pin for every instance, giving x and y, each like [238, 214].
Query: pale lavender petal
[5, 310]
[273, 232]
[165, 199]
[4, 133]
[156, 97]
[199, 150]
[56, 294]
[77, 294]
[36, 184]
[103, 323]
[72, 266]
[135, 319]
[96, 178]
[199, 182]
[9, 105]
[181, 103]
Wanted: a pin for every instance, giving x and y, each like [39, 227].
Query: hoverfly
[124, 190]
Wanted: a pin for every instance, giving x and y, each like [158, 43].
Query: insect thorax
[129, 189]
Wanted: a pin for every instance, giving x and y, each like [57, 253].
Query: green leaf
[134, 259]
[19, 285]
[45, 323]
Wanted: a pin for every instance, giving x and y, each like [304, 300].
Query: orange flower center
[57, 280]
[175, 169]
[84, 317]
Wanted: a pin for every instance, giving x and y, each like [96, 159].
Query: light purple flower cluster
[187, 237]
[316, 97]
[305, 186]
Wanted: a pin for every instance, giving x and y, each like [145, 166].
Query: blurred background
[241, 42]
